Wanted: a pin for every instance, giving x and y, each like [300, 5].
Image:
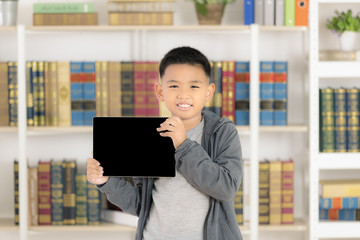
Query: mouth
[184, 106]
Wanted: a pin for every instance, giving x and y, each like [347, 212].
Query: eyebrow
[176, 81]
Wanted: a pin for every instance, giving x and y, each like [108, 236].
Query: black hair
[185, 55]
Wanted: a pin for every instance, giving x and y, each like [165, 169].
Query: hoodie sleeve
[218, 176]
[123, 194]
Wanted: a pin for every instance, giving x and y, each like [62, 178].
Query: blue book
[242, 93]
[341, 203]
[77, 94]
[29, 95]
[266, 93]
[280, 93]
[57, 188]
[248, 12]
[89, 92]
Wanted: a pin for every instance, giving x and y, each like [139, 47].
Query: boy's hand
[95, 172]
[173, 128]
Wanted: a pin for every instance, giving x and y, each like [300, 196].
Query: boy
[198, 202]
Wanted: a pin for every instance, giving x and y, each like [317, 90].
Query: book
[81, 213]
[105, 92]
[77, 93]
[140, 6]
[111, 93]
[352, 127]
[4, 95]
[264, 194]
[301, 12]
[93, 204]
[57, 189]
[279, 12]
[248, 12]
[151, 99]
[287, 192]
[289, 14]
[33, 212]
[13, 93]
[53, 100]
[266, 93]
[340, 117]
[216, 78]
[228, 90]
[339, 55]
[246, 192]
[280, 93]
[44, 192]
[275, 185]
[41, 93]
[140, 18]
[269, 12]
[50, 19]
[242, 93]
[259, 12]
[63, 76]
[29, 94]
[340, 188]
[34, 79]
[340, 203]
[16, 192]
[327, 125]
[69, 168]
[63, 7]
[238, 204]
[127, 88]
[89, 98]
[140, 103]
[340, 214]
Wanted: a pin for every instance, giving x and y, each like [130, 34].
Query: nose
[182, 94]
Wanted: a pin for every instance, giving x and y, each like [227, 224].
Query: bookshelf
[322, 74]
[145, 43]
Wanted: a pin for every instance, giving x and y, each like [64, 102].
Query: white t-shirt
[179, 210]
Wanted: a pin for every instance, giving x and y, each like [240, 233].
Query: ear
[210, 92]
[158, 91]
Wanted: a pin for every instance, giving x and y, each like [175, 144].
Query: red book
[140, 69]
[151, 100]
[228, 90]
[44, 193]
[287, 192]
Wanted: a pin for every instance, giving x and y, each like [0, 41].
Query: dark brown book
[47, 19]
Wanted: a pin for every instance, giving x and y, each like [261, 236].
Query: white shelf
[7, 224]
[104, 226]
[338, 1]
[340, 161]
[338, 229]
[339, 69]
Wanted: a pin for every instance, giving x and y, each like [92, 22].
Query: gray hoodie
[214, 167]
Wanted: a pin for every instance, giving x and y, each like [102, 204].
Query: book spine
[140, 69]
[275, 192]
[47, 93]
[77, 94]
[44, 192]
[340, 120]
[93, 204]
[64, 89]
[287, 192]
[209, 106]
[340, 189]
[340, 203]
[289, 13]
[279, 12]
[69, 168]
[242, 90]
[33, 196]
[4, 94]
[41, 93]
[301, 12]
[259, 12]
[36, 94]
[228, 90]
[127, 88]
[140, 18]
[63, 8]
[280, 93]
[327, 133]
[54, 94]
[269, 12]
[238, 204]
[264, 194]
[266, 93]
[16, 192]
[57, 188]
[339, 214]
[98, 88]
[217, 78]
[352, 110]
[114, 88]
[89, 92]
[141, 6]
[81, 199]
[104, 89]
[152, 108]
[13, 93]
[67, 19]
[248, 12]
[29, 95]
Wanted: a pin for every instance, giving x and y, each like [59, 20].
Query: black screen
[131, 146]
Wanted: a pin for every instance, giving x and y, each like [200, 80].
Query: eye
[173, 86]
[194, 86]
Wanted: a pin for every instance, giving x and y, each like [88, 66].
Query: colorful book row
[58, 195]
[339, 120]
[340, 214]
[340, 203]
[276, 194]
[276, 12]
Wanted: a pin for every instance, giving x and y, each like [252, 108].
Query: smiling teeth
[184, 105]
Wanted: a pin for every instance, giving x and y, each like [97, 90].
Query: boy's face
[185, 89]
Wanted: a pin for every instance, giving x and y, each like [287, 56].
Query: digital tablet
[132, 147]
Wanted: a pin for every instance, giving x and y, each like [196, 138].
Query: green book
[289, 13]
[264, 194]
[327, 121]
[81, 199]
[340, 120]
[57, 189]
[63, 8]
[352, 110]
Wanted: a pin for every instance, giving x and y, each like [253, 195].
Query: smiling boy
[199, 202]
